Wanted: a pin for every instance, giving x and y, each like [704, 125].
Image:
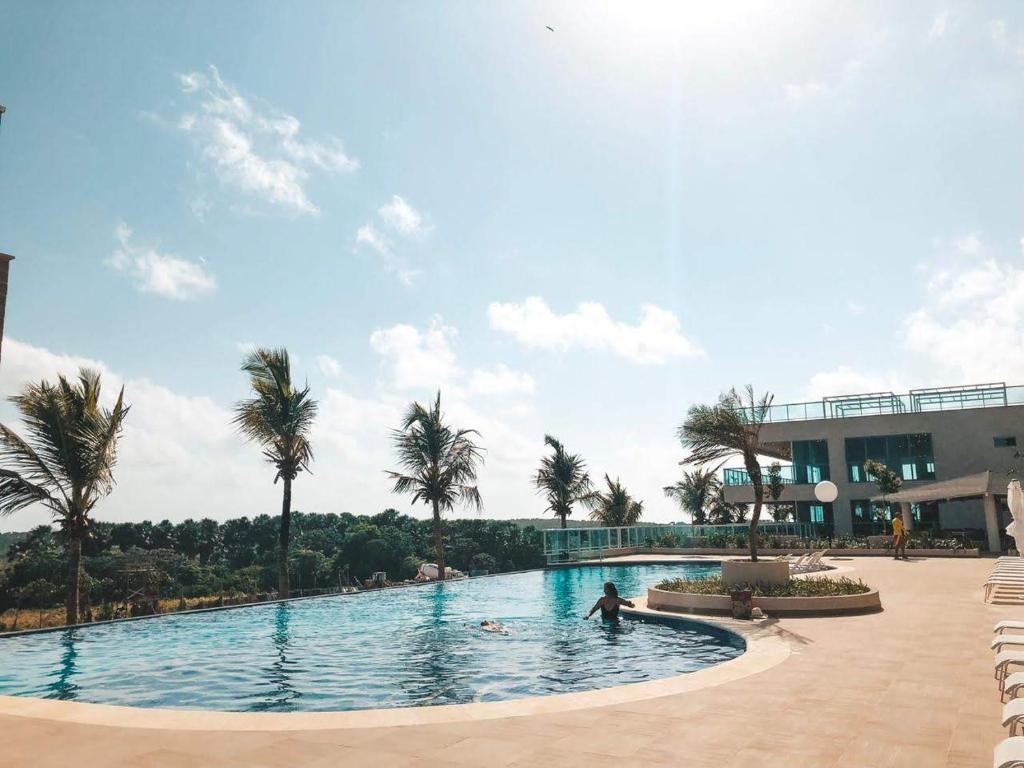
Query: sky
[580, 232]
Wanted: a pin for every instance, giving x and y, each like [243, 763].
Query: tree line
[201, 558]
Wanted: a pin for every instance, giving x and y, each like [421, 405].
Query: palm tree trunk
[74, 580]
[439, 542]
[754, 470]
[282, 550]
[563, 519]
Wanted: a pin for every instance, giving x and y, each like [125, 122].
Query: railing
[734, 476]
[887, 403]
[569, 544]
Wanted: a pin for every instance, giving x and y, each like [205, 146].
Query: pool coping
[766, 646]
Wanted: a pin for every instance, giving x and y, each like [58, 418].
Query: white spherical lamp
[826, 492]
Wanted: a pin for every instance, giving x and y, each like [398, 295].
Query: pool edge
[766, 647]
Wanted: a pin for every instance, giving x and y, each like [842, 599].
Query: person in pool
[609, 603]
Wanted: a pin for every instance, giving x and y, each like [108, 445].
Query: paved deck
[911, 686]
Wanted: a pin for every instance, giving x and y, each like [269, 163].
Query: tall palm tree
[66, 463]
[731, 427]
[279, 419]
[695, 493]
[562, 478]
[614, 508]
[439, 464]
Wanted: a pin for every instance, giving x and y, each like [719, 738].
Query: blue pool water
[403, 647]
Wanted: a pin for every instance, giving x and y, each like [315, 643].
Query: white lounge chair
[1009, 753]
[797, 564]
[1004, 660]
[1000, 640]
[1013, 685]
[1013, 715]
[1008, 624]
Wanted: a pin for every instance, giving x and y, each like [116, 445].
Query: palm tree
[67, 462]
[279, 419]
[440, 466]
[614, 508]
[563, 479]
[731, 427]
[695, 493]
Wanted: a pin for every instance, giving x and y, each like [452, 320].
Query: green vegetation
[696, 493]
[815, 586]
[563, 479]
[732, 427]
[614, 508]
[9, 539]
[204, 558]
[887, 480]
[278, 419]
[66, 464]
[441, 462]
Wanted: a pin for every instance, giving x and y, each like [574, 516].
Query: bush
[818, 586]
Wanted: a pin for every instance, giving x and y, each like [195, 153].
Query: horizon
[580, 232]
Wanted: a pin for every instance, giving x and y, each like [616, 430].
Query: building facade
[925, 435]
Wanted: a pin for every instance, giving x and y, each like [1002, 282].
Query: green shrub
[817, 586]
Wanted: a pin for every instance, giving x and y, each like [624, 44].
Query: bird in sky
[552, 29]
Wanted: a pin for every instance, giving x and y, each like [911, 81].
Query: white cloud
[998, 32]
[968, 245]
[844, 380]
[854, 307]
[802, 93]
[329, 367]
[501, 380]
[180, 457]
[407, 223]
[401, 216]
[656, 338]
[968, 328]
[163, 274]
[255, 147]
[942, 24]
[418, 359]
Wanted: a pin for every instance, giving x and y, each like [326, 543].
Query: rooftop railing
[995, 395]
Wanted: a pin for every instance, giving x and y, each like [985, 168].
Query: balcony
[791, 475]
[887, 403]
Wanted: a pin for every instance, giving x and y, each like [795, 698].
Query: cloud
[501, 380]
[854, 307]
[998, 32]
[153, 272]
[406, 223]
[845, 380]
[969, 327]
[254, 147]
[180, 457]
[942, 24]
[328, 366]
[418, 359]
[801, 93]
[655, 339]
[401, 216]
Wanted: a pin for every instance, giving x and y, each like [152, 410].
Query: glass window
[817, 513]
[1005, 442]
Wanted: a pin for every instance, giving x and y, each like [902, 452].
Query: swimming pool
[417, 646]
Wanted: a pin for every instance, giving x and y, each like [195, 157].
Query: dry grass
[37, 618]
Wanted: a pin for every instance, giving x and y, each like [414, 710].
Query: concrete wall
[962, 442]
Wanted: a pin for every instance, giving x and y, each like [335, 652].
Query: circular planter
[688, 602]
[741, 572]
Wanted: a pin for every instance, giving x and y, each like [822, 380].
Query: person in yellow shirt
[899, 537]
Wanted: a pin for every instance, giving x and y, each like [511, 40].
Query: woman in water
[609, 603]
